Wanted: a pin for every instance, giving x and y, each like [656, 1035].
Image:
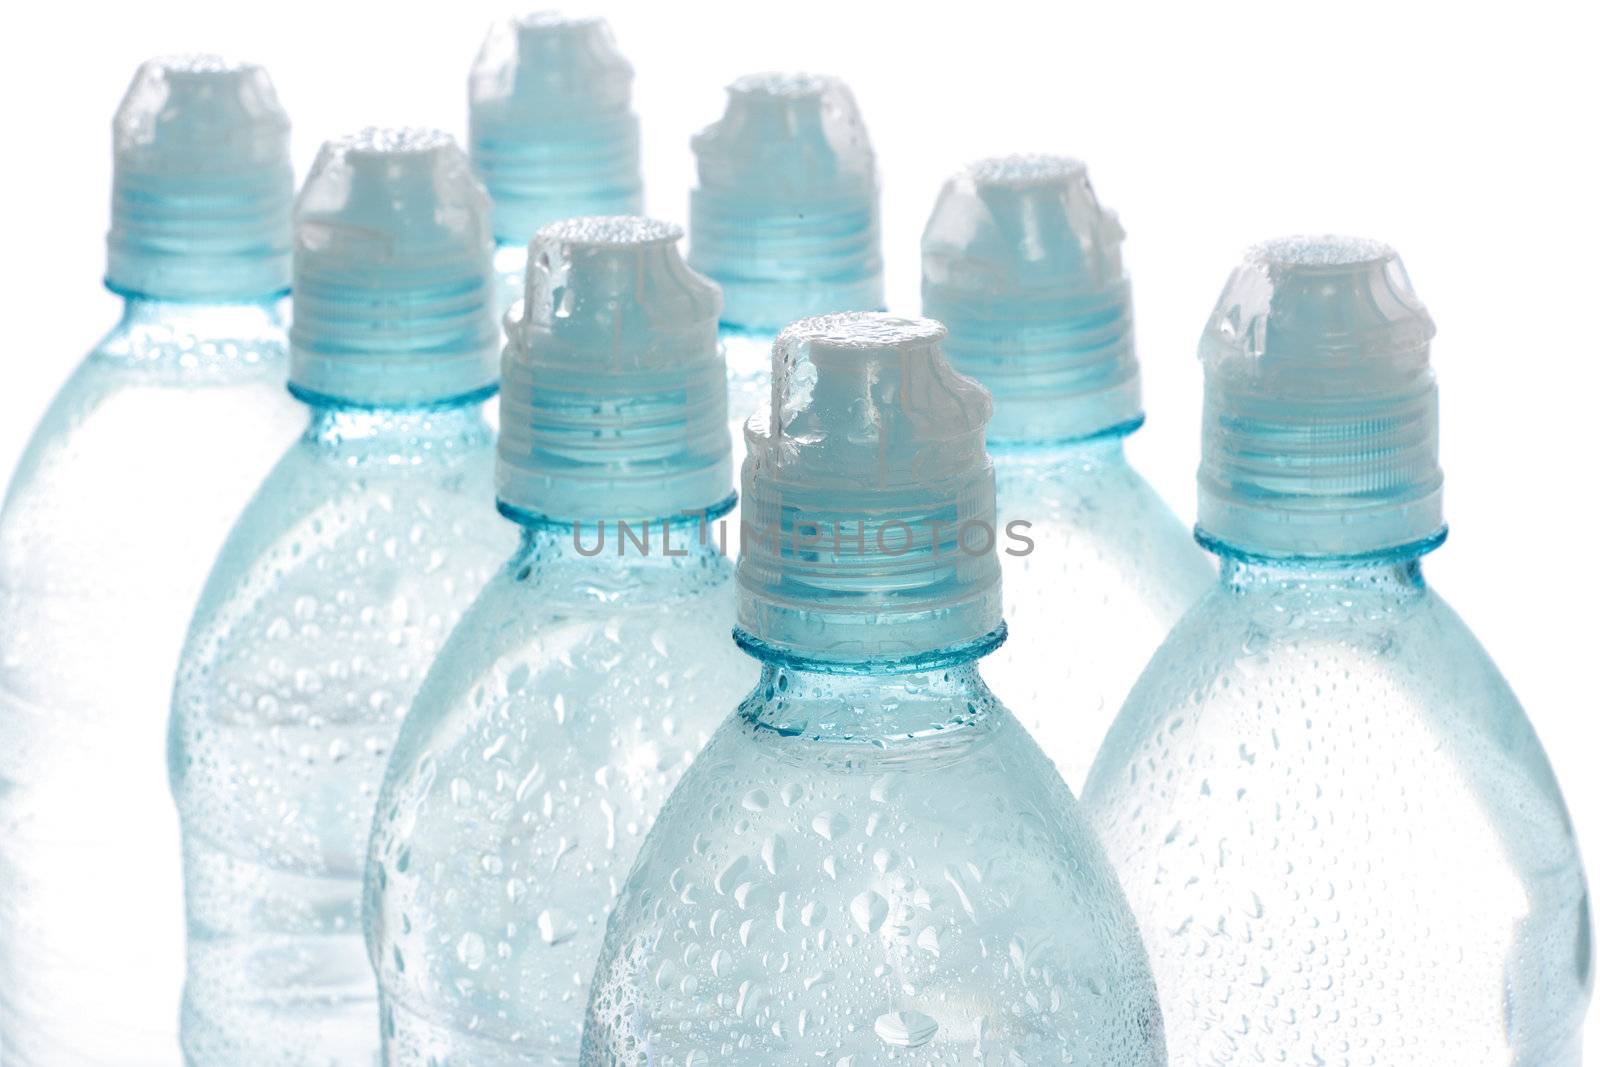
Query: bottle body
[340, 582]
[871, 869]
[577, 690]
[1340, 834]
[124, 493]
[1094, 581]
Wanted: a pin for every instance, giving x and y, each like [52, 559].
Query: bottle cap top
[394, 297]
[869, 510]
[553, 133]
[201, 183]
[1321, 424]
[1024, 267]
[615, 403]
[785, 217]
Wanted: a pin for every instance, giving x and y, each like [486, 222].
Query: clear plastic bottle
[872, 862]
[553, 133]
[784, 218]
[586, 676]
[1024, 268]
[337, 587]
[1342, 839]
[123, 495]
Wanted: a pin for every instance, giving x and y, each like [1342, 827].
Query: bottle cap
[785, 217]
[1321, 424]
[394, 298]
[1024, 267]
[553, 133]
[615, 404]
[869, 510]
[201, 184]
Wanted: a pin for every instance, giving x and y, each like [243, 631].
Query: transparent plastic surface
[1092, 585]
[122, 498]
[1341, 837]
[869, 869]
[549, 733]
[339, 584]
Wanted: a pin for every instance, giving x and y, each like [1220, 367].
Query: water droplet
[470, 950]
[869, 910]
[555, 926]
[905, 1029]
[830, 825]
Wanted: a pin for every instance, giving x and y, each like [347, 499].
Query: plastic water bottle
[1024, 267]
[785, 219]
[553, 133]
[586, 676]
[123, 494]
[1339, 832]
[871, 862]
[336, 589]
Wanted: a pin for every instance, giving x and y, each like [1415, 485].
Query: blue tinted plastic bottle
[337, 587]
[553, 133]
[585, 677]
[1339, 832]
[871, 862]
[784, 218]
[1024, 267]
[123, 495]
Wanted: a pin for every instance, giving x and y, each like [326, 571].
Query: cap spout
[615, 400]
[1024, 266]
[201, 184]
[785, 215]
[868, 527]
[1321, 423]
[393, 277]
[553, 134]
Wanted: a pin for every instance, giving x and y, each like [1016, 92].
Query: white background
[1464, 136]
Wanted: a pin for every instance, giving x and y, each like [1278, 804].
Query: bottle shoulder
[1293, 635]
[559, 722]
[1091, 492]
[182, 346]
[113, 468]
[375, 563]
[963, 858]
[1099, 525]
[546, 657]
[1322, 684]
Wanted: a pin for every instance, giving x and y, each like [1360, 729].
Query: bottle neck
[203, 338]
[874, 708]
[400, 436]
[1099, 450]
[1397, 574]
